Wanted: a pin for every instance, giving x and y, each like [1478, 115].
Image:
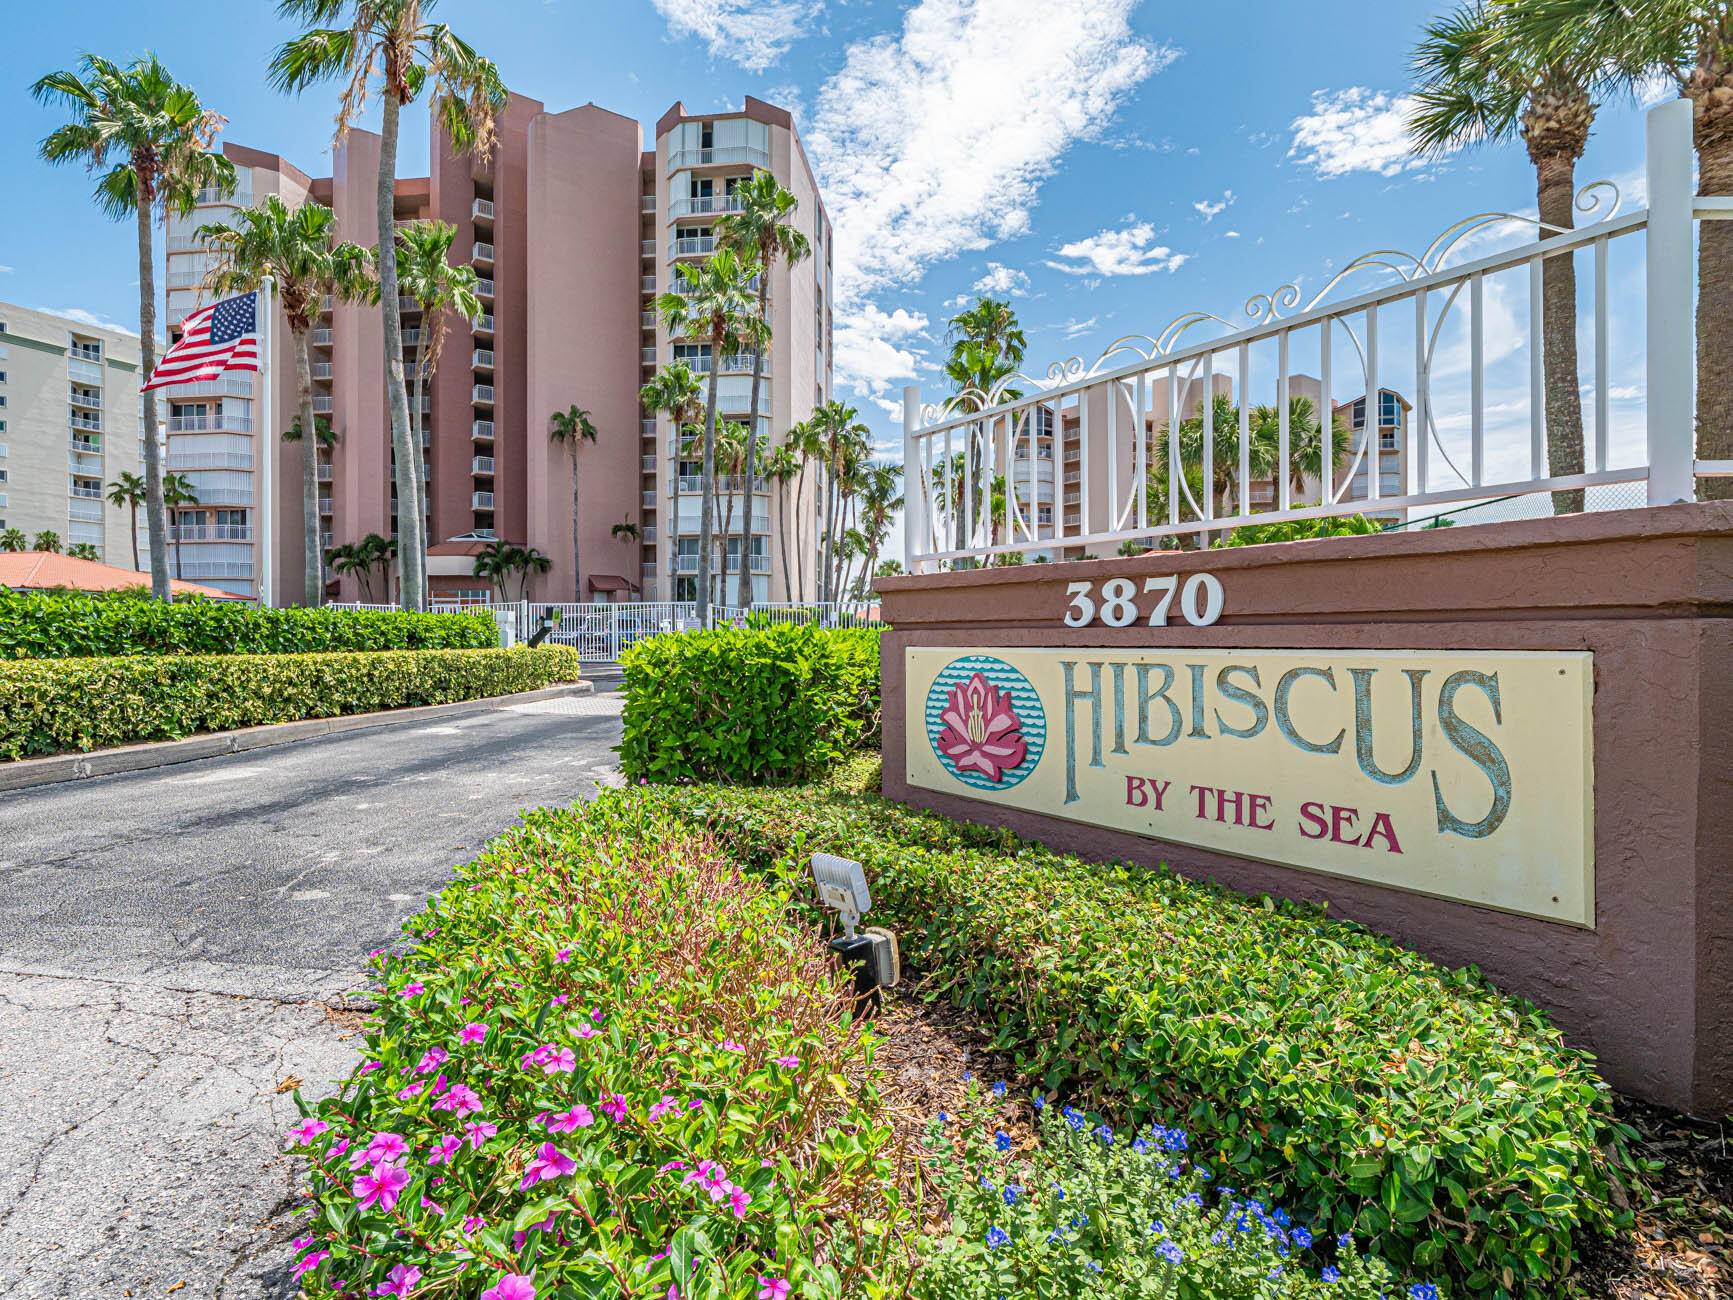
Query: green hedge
[1301, 530]
[49, 705]
[612, 1064]
[759, 705]
[1442, 1122]
[47, 626]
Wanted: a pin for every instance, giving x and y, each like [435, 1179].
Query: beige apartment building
[69, 426]
[574, 226]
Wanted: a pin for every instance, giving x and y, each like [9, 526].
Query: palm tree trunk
[1564, 403]
[409, 549]
[577, 570]
[706, 497]
[312, 586]
[727, 528]
[799, 556]
[1714, 131]
[829, 528]
[135, 536]
[744, 599]
[415, 440]
[782, 533]
[155, 515]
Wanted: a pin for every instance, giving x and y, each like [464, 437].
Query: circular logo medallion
[985, 722]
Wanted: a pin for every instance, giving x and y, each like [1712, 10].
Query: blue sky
[1109, 163]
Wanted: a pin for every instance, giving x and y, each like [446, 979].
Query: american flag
[223, 336]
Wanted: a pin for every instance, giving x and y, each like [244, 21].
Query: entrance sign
[1462, 774]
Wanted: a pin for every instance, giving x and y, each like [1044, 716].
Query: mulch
[1681, 1247]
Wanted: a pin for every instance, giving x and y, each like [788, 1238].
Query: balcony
[323, 403]
[649, 464]
[686, 290]
[213, 533]
[81, 371]
[230, 385]
[84, 462]
[195, 567]
[91, 352]
[481, 252]
[483, 324]
[648, 534]
[649, 501]
[647, 284]
[324, 505]
[694, 245]
[647, 428]
[87, 397]
[83, 445]
[646, 248]
[240, 197]
[411, 338]
[185, 279]
[322, 337]
[408, 306]
[482, 430]
[647, 320]
[646, 202]
[87, 512]
[321, 370]
[482, 358]
[699, 205]
[183, 460]
[85, 491]
[78, 421]
[327, 302]
[210, 422]
[482, 393]
[647, 356]
[737, 363]
[481, 500]
[323, 473]
[482, 210]
[483, 287]
[733, 156]
[481, 465]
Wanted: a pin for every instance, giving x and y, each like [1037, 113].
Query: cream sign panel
[1461, 774]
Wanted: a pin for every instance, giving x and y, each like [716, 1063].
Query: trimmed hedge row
[608, 1065]
[50, 705]
[774, 704]
[1442, 1122]
[42, 626]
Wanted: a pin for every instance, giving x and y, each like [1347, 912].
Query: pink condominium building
[574, 227]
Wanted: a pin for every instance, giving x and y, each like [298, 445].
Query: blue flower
[1217, 1237]
[985, 1183]
[1105, 1134]
[1140, 1146]
[1010, 1194]
[1192, 1199]
[1170, 1252]
[1422, 1291]
[996, 1237]
[1345, 1241]
[1302, 1238]
[1094, 1266]
[1281, 1217]
[1330, 1274]
[1040, 1102]
[1275, 1272]
[968, 1075]
[1060, 1190]
[1158, 1227]
[1002, 1140]
[999, 1088]
[944, 1118]
[1075, 1118]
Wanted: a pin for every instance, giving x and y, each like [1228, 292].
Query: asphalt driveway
[177, 945]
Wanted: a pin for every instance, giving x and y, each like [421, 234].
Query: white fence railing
[1427, 389]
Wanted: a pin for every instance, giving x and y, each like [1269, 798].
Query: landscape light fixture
[873, 954]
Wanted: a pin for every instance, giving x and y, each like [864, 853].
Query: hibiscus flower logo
[982, 732]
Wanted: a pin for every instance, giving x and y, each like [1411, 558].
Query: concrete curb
[25, 773]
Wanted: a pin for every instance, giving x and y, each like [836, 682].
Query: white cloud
[868, 351]
[1119, 252]
[1355, 130]
[90, 318]
[5, 270]
[1233, 234]
[1210, 211]
[1002, 279]
[1074, 328]
[930, 145]
[752, 33]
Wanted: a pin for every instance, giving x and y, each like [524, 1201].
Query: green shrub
[37, 625]
[1085, 1211]
[612, 1066]
[49, 705]
[1300, 530]
[758, 705]
[1443, 1122]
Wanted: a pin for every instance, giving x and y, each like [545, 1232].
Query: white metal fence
[1426, 391]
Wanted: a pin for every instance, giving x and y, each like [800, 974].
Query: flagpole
[267, 444]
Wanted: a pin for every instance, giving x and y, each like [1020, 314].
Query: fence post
[914, 482]
[1671, 306]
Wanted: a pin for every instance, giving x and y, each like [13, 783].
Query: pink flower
[447, 1147]
[511, 1286]
[788, 1063]
[413, 1090]
[462, 1099]
[710, 1176]
[381, 1186]
[307, 1130]
[772, 1288]
[559, 1001]
[399, 1280]
[666, 1106]
[563, 1061]
[550, 1162]
[595, 1013]
[672, 1164]
[563, 955]
[410, 990]
[371, 1066]
[982, 732]
[473, 1032]
[435, 1206]
[310, 1262]
[729, 1045]
[541, 1056]
[338, 1148]
[385, 1146]
[479, 1132]
[431, 1060]
[301, 1243]
[577, 1117]
[738, 1199]
[614, 1107]
[585, 1031]
[472, 1224]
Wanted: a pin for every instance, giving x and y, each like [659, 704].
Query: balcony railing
[481, 501]
[698, 205]
[647, 320]
[78, 421]
[647, 356]
[647, 202]
[694, 245]
[482, 252]
[481, 465]
[647, 428]
[83, 445]
[407, 304]
[482, 209]
[649, 501]
[323, 403]
[241, 196]
[484, 287]
[647, 284]
[743, 155]
[324, 505]
[324, 473]
[85, 351]
[84, 462]
[482, 357]
[210, 422]
[322, 337]
[321, 370]
[84, 397]
[482, 393]
[649, 464]
[86, 491]
[194, 567]
[179, 460]
[82, 371]
[213, 533]
[483, 324]
[231, 385]
[411, 338]
[646, 248]
[686, 290]
[648, 533]
[689, 563]
[724, 483]
[84, 511]
[482, 430]
[736, 363]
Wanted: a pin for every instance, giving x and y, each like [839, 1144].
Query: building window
[1386, 439]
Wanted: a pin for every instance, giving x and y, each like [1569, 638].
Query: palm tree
[148, 139]
[46, 540]
[625, 531]
[297, 249]
[498, 561]
[13, 540]
[356, 41]
[992, 325]
[760, 230]
[571, 429]
[530, 561]
[880, 501]
[1690, 41]
[377, 552]
[128, 491]
[346, 559]
[844, 444]
[717, 305]
[780, 468]
[83, 551]
[426, 274]
[807, 441]
[676, 392]
[987, 344]
[178, 490]
[1481, 79]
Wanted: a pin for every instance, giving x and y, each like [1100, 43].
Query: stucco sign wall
[1462, 774]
